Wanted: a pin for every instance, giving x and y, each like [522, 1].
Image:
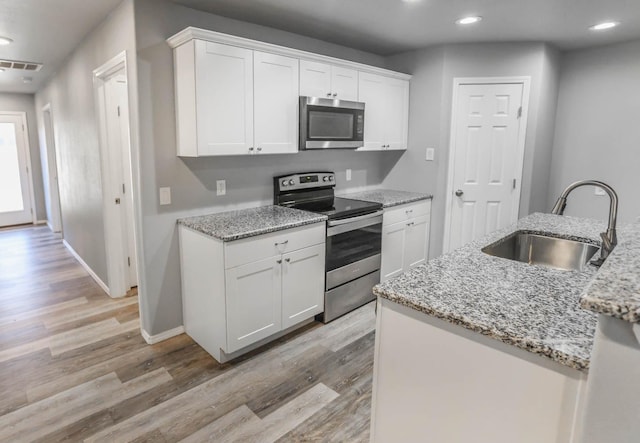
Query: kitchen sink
[545, 250]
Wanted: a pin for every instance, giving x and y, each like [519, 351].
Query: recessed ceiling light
[5, 41]
[468, 20]
[604, 25]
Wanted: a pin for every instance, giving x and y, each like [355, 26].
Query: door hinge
[129, 261]
[27, 168]
[514, 183]
[123, 188]
[519, 112]
[118, 111]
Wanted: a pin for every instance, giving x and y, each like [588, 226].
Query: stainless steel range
[354, 238]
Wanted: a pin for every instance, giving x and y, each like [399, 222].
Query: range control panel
[307, 180]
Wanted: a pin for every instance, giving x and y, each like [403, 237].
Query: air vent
[20, 66]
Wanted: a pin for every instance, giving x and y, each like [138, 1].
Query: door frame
[50, 148]
[457, 82]
[117, 270]
[27, 148]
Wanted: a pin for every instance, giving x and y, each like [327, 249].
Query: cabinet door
[396, 113]
[275, 103]
[302, 284]
[315, 79]
[417, 242]
[371, 89]
[393, 250]
[253, 302]
[224, 99]
[344, 83]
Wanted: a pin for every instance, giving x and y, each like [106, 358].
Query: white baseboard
[86, 267]
[153, 339]
[50, 225]
[41, 222]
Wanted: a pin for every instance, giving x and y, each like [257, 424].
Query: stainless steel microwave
[326, 123]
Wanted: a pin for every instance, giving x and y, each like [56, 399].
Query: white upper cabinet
[275, 103]
[327, 81]
[236, 96]
[386, 113]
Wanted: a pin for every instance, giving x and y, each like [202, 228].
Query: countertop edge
[534, 348]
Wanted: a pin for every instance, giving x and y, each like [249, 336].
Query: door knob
[459, 193]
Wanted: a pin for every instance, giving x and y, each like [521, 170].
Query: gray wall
[597, 131]
[192, 181]
[430, 102]
[71, 94]
[26, 103]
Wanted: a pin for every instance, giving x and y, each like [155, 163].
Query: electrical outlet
[599, 191]
[348, 175]
[431, 154]
[221, 187]
[165, 196]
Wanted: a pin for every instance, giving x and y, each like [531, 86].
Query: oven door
[353, 248]
[326, 123]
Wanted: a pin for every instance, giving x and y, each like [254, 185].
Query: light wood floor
[73, 367]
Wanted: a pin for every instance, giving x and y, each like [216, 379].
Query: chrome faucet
[609, 238]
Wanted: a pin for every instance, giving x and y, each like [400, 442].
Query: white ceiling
[45, 31]
[391, 26]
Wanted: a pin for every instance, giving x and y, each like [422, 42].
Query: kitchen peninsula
[472, 347]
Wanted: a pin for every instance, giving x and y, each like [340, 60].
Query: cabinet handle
[288, 260]
[410, 224]
[335, 94]
[279, 261]
[328, 94]
[259, 149]
[251, 149]
[282, 243]
[408, 211]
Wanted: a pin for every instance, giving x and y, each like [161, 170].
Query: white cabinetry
[234, 101]
[405, 238]
[324, 80]
[386, 114]
[238, 295]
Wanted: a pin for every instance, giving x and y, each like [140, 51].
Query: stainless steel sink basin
[537, 249]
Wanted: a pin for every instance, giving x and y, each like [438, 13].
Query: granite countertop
[234, 225]
[615, 291]
[388, 197]
[535, 308]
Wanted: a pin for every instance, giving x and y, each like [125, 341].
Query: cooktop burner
[345, 208]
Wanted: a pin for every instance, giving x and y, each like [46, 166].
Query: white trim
[86, 267]
[457, 82]
[153, 339]
[191, 33]
[27, 147]
[41, 222]
[47, 108]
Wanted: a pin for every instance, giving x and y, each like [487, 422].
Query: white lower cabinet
[405, 238]
[238, 295]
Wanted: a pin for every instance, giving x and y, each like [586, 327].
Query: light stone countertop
[615, 291]
[243, 223]
[388, 197]
[532, 307]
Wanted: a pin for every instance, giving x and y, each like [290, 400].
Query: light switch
[348, 175]
[431, 154]
[165, 196]
[221, 187]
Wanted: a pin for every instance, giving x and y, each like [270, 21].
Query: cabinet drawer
[251, 249]
[406, 212]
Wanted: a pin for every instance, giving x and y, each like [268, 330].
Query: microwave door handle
[333, 223]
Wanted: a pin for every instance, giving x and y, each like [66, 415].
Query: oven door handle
[333, 223]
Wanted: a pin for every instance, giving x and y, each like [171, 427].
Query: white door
[417, 239]
[487, 154]
[224, 96]
[302, 284]
[15, 180]
[54, 214]
[344, 83]
[315, 79]
[275, 104]
[371, 89]
[253, 302]
[393, 250]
